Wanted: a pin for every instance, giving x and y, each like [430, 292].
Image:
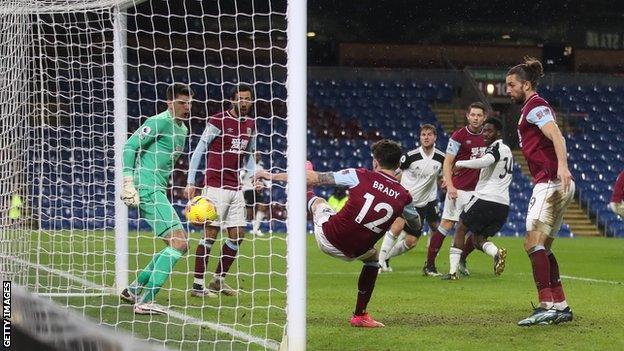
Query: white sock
[454, 257]
[399, 248]
[490, 249]
[257, 220]
[402, 235]
[199, 281]
[560, 306]
[386, 246]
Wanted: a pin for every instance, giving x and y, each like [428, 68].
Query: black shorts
[252, 197]
[428, 213]
[484, 217]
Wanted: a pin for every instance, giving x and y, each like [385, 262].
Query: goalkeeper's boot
[450, 276]
[365, 321]
[430, 271]
[384, 266]
[564, 315]
[149, 308]
[199, 291]
[463, 268]
[540, 316]
[218, 285]
[128, 296]
[499, 261]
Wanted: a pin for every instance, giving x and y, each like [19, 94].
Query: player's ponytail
[531, 70]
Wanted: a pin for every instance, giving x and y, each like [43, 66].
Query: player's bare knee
[532, 239]
[410, 241]
[237, 233]
[446, 225]
[210, 232]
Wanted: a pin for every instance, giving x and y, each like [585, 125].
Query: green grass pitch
[475, 313]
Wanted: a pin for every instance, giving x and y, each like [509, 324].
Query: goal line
[267, 344]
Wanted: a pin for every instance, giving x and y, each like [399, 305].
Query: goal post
[79, 76]
[297, 108]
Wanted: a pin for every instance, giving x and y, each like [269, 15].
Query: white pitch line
[267, 344]
[614, 282]
[63, 274]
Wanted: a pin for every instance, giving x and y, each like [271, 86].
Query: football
[201, 210]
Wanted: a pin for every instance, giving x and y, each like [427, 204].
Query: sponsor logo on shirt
[238, 144]
[477, 152]
[145, 131]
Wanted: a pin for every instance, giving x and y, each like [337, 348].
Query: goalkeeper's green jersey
[152, 151]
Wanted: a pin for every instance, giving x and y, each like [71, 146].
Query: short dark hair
[531, 70]
[387, 153]
[479, 105]
[176, 89]
[239, 88]
[430, 127]
[495, 122]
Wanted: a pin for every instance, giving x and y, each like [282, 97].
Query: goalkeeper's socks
[144, 276]
[202, 254]
[490, 249]
[162, 269]
[228, 255]
[454, 256]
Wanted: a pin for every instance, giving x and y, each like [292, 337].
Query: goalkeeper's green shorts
[156, 209]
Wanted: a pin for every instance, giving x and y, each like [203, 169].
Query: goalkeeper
[149, 157]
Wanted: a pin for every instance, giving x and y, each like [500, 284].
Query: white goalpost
[77, 77]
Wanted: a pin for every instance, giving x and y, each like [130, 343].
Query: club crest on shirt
[145, 131]
[248, 131]
[229, 130]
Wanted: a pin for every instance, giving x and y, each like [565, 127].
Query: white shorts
[453, 208]
[547, 206]
[230, 206]
[321, 214]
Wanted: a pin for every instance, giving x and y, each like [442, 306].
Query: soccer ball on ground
[201, 210]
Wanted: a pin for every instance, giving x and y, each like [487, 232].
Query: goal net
[77, 77]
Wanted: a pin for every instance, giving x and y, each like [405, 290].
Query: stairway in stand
[575, 217]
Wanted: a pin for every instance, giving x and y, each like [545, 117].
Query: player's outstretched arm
[312, 177]
[478, 163]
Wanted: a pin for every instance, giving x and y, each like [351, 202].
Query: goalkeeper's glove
[129, 194]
